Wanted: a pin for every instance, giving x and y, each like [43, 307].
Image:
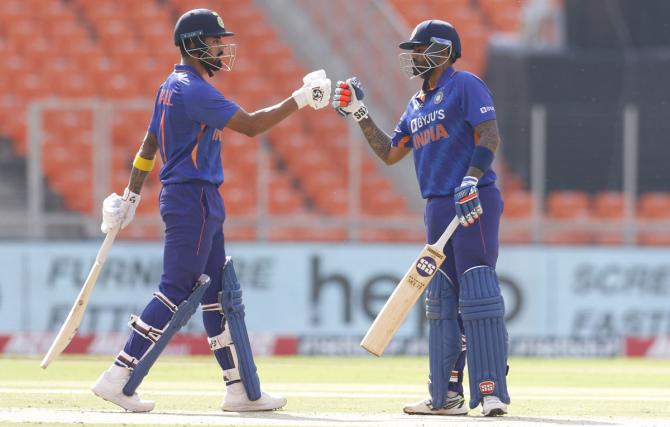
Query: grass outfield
[360, 390]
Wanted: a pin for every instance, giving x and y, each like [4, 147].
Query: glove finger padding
[111, 212]
[347, 100]
[314, 92]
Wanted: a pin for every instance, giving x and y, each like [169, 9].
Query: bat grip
[444, 238]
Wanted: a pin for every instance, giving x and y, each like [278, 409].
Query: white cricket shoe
[492, 406]
[110, 387]
[454, 406]
[236, 400]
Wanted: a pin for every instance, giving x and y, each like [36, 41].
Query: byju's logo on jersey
[419, 122]
[426, 266]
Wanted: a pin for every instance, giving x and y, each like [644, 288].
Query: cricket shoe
[236, 400]
[110, 387]
[454, 406]
[492, 406]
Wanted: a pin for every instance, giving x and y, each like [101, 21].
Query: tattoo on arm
[489, 138]
[377, 138]
[147, 151]
[488, 134]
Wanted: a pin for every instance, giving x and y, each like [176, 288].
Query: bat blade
[404, 296]
[401, 301]
[69, 329]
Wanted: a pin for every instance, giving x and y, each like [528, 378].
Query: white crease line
[160, 386]
[340, 395]
[289, 418]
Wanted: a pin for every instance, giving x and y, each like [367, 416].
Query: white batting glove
[315, 90]
[118, 211]
[348, 99]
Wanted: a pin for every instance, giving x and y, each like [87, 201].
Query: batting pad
[444, 336]
[230, 299]
[482, 311]
[181, 316]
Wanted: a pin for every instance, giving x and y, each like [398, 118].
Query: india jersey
[439, 125]
[188, 120]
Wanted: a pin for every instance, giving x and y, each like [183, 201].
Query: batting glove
[468, 207]
[118, 211]
[348, 99]
[314, 92]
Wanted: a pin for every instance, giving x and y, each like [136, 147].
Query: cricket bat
[71, 325]
[404, 296]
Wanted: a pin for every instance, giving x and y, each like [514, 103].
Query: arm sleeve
[153, 123]
[207, 105]
[401, 136]
[476, 101]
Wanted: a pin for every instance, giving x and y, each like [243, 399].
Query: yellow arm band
[143, 164]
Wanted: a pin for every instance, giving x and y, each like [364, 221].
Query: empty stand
[569, 212]
[608, 210]
[517, 216]
[654, 210]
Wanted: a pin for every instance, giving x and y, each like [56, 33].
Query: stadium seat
[321, 234]
[569, 210]
[608, 205]
[654, 210]
[567, 205]
[608, 211]
[120, 50]
[517, 215]
[654, 206]
[518, 205]
[238, 233]
[386, 235]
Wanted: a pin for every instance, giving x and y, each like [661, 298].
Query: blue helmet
[199, 23]
[434, 31]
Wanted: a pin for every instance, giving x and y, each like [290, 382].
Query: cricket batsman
[186, 130]
[450, 126]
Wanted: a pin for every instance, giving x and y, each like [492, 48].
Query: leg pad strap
[182, 314]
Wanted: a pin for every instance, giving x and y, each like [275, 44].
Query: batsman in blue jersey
[186, 130]
[450, 127]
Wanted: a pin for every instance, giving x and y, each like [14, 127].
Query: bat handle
[106, 245]
[444, 238]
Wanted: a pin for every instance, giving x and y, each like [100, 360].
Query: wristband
[482, 158]
[361, 113]
[145, 165]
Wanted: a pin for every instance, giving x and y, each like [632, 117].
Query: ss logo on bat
[426, 266]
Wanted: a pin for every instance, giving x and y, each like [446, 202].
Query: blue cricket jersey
[439, 125]
[188, 120]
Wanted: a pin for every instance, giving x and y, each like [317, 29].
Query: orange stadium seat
[608, 209]
[654, 206]
[568, 208]
[308, 234]
[332, 202]
[106, 49]
[284, 200]
[568, 205]
[518, 205]
[391, 235]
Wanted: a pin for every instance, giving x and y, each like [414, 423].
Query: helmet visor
[415, 64]
[218, 56]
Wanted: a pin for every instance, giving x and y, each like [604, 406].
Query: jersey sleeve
[476, 100]
[207, 105]
[153, 123]
[401, 135]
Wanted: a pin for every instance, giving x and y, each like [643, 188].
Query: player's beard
[217, 63]
[426, 75]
